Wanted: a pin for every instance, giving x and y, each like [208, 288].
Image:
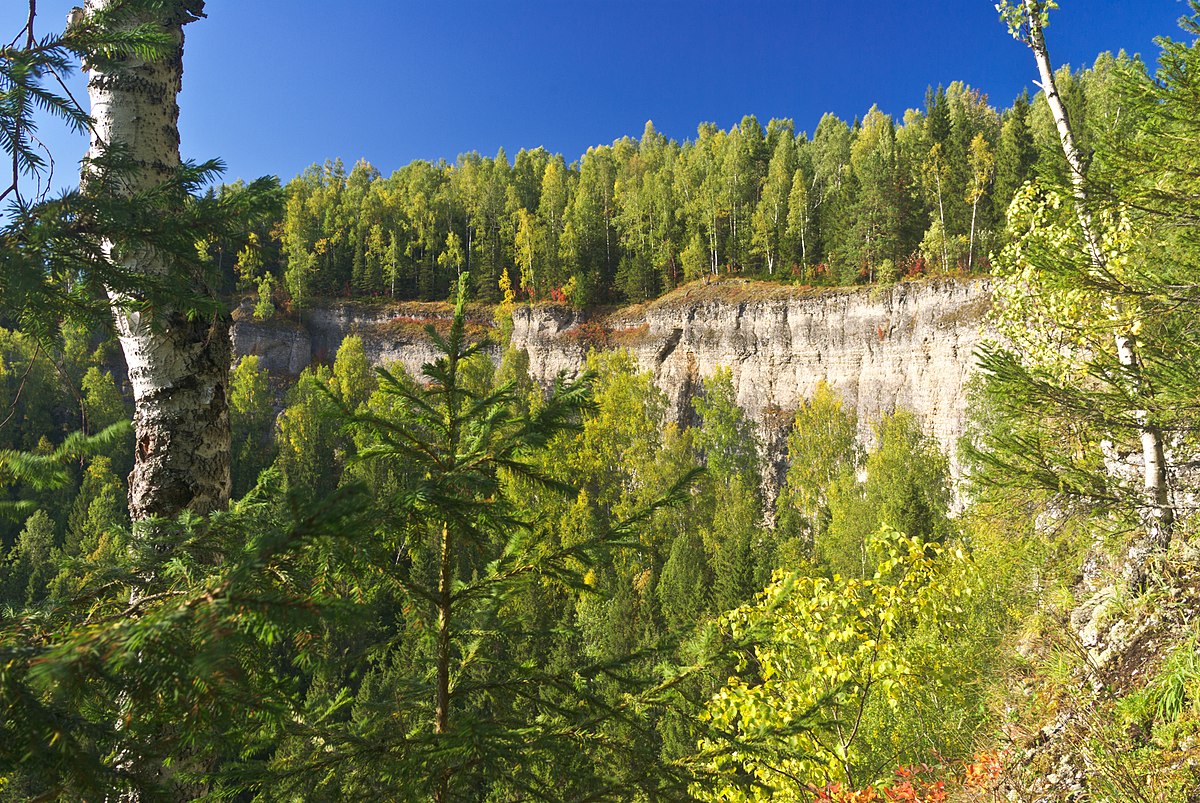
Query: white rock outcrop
[910, 346]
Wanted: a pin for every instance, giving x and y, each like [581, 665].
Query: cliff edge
[909, 346]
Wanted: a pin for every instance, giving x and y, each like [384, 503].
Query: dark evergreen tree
[1016, 153]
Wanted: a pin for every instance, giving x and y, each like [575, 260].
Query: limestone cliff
[910, 346]
[391, 333]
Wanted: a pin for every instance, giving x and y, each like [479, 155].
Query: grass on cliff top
[739, 290]
[412, 327]
[419, 311]
[429, 310]
[728, 290]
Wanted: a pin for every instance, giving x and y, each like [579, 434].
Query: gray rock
[910, 346]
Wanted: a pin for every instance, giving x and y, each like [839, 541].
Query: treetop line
[869, 201]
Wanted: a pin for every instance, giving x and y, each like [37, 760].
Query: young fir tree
[30, 565]
[456, 555]
[727, 444]
[452, 703]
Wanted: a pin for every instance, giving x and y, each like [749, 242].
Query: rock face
[906, 347]
[910, 346]
[390, 334]
[280, 348]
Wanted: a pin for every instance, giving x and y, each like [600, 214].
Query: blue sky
[272, 86]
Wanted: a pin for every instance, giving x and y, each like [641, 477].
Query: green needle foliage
[453, 704]
[52, 259]
[166, 661]
[45, 472]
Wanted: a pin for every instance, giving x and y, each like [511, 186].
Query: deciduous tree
[178, 360]
[1105, 243]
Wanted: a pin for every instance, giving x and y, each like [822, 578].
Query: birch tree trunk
[803, 244]
[1158, 515]
[971, 248]
[942, 218]
[179, 368]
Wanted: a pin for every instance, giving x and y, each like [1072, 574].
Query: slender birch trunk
[179, 368]
[942, 218]
[712, 245]
[1158, 515]
[608, 266]
[803, 243]
[971, 248]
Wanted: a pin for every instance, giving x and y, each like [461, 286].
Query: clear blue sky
[272, 86]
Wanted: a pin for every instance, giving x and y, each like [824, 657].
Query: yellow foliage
[832, 645]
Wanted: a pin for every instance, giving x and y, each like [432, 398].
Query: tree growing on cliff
[821, 446]
[983, 169]
[252, 422]
[1088, 295]
[906, 488]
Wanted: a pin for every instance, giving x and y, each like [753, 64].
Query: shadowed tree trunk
[179, 367]
[178, 363]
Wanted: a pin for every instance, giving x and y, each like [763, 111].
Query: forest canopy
[874, 199]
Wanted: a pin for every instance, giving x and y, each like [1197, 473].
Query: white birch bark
[178, 368]
[942, 218]
[971, 248]
[1158, 515]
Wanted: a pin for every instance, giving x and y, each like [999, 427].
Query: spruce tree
[458, 555]
[1015, 154]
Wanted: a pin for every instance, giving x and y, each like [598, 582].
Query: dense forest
[872, 200]
[462, 585]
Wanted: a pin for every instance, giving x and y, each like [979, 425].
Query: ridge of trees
[873, 200]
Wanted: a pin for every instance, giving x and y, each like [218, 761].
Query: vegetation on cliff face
[461, 586]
